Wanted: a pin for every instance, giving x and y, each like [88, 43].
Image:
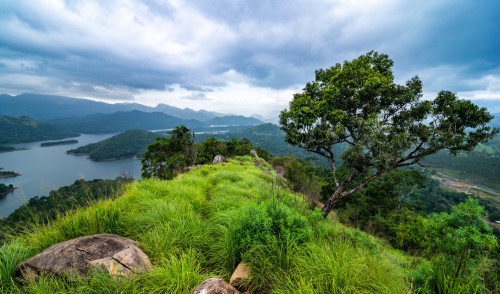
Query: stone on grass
[215, 286]
[120, 256]
[280, 171]
[240, 275]
[254, 153]
[219, 159]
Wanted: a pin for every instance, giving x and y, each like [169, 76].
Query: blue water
[44, 169]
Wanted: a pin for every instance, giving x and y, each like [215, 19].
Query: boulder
[254, 153]
[240, 275]
[215, 286]
[72, 258]
[219, 159]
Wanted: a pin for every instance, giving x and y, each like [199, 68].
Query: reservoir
[44, 169]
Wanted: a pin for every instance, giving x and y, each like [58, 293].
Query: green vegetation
[128, 144]
[384, 124]
[42, 210]
[8, 174]
[189, 227]
[477, 167]
[4, 189]
[168, 157]
[4, 148]
[266, 136]
[492, 147]
[23, 129]
[48, 144]
[122, 121]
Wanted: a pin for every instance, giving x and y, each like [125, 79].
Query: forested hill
[128, 144]
[122, 121]
[24, 129]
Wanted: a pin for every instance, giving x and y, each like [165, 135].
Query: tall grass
[188, 228]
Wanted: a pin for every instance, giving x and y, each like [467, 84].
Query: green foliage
[477, 166]
[127, 144]
[44, 209]
[24, 129]
[65, 142]
[462, 235]
[4, 148]
[8, 174]
[272, 221]
[167, 157]
[384, 124]
[186, 226]
[301, 175]
[5, 188]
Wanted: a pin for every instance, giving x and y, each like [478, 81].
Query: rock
[219, 159]
[254, 153]
[280, 171]
[257, 163]
[119, 255]
[215, 286]
[240, 275]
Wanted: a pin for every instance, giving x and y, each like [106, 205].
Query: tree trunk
[330, 203]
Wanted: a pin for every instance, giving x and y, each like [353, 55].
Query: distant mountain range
[46, 107]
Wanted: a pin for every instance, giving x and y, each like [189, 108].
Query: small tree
[167, 157]
[462, 235]
[383, 124]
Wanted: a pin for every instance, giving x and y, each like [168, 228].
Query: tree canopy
[385, 125]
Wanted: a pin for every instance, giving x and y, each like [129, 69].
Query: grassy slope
[185, 226]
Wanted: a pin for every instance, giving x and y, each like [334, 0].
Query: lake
[44, 169]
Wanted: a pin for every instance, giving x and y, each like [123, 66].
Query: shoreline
[9, 176]
[7, 192]
[105, 159]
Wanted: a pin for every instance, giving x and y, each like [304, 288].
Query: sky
[241, 57]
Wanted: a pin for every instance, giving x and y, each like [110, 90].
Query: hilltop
[24, 129]
[128, 144]
[199, 225]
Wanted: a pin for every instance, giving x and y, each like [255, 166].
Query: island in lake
[4, 189]
[4, 148]
[8, 174]
[56, 143]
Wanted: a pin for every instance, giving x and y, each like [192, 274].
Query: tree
[383, 124]
[462, 235]
[167, 157]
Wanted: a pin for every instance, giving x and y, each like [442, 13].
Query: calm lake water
[44, 169]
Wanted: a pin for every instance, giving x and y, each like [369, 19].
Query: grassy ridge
[187, 227]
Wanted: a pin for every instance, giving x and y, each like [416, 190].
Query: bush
[273, 221]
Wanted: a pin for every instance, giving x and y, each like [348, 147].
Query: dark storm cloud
[153, 45]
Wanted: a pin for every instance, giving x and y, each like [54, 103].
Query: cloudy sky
[241, 57]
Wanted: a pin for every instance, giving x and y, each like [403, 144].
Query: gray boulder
[118, 255]
[219, 159]
[215, 286]
[254, 153]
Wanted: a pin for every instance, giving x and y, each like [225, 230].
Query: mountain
[128, 144]
[46, 107]
[234, 120]
[187, 113]
[24, 129]
[123, 120]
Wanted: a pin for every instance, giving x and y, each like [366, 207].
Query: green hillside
[23, 129]
[199, 225]
[121, 121]
[128, 144]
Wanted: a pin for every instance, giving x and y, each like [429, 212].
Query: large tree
[380, 124]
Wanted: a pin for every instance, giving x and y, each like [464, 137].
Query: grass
[187, 228]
